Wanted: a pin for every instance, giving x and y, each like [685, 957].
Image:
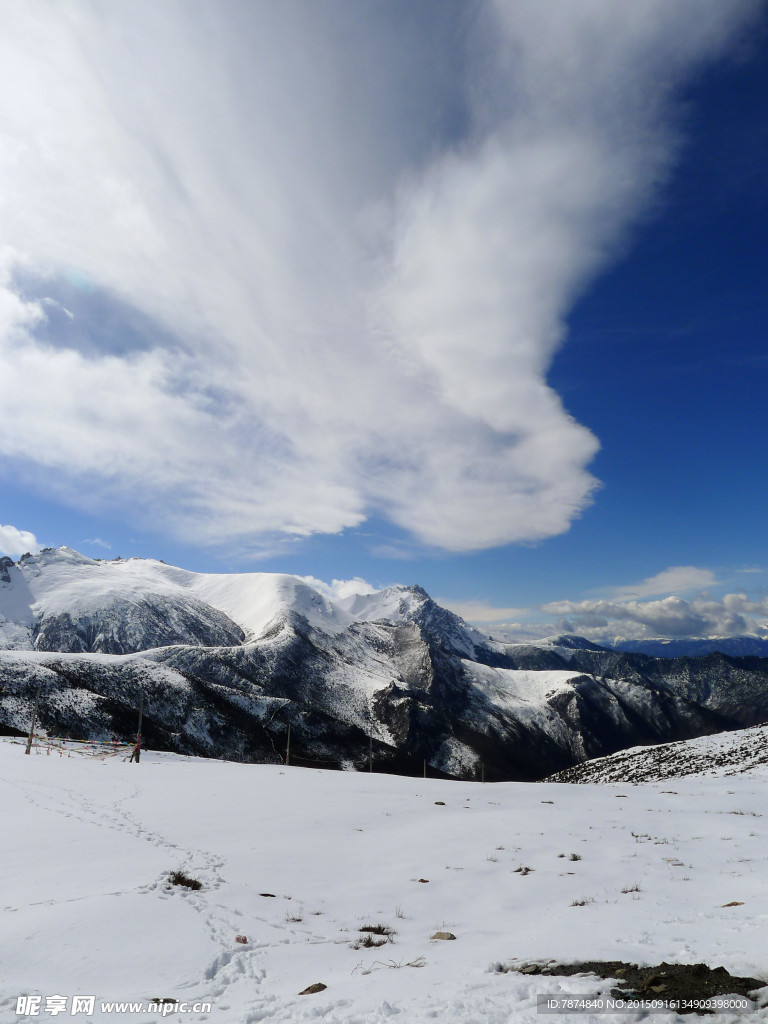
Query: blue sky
[302, 300]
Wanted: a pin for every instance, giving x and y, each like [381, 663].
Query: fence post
[288, 746]
[136, 755]
[34, 720]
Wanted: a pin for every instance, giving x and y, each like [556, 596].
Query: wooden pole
[137, 748]
[370, 735]
[34, 721]
[288, 746]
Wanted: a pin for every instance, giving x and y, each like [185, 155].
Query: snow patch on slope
[524, 692]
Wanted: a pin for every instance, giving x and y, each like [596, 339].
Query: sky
[466, 294]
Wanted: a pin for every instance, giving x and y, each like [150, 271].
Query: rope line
[80, 748]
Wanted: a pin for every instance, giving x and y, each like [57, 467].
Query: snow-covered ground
[88, 843]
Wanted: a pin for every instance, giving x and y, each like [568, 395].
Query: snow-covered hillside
[727, 753]
[299, 863]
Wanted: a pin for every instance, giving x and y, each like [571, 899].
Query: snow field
[89, 843]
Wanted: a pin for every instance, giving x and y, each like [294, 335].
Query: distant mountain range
[749, 645]
[226, 663]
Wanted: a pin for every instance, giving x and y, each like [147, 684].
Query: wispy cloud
[678, 579]
[353, 264]
[99, 543]
[17, 542]
[55, 304]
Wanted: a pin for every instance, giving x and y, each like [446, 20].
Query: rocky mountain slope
[226, 663]
[730, 753]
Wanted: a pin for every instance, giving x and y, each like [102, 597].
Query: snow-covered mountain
[226, 663]
[60, 600]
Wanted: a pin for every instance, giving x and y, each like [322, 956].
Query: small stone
[734, 903]
[530, 969]
[443, 935]
[241, 938]
[311, 989]
[424, 880]
[440, 803]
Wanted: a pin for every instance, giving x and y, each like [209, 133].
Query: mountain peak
[50, 556]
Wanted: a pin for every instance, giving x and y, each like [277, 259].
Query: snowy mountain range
[226, 663]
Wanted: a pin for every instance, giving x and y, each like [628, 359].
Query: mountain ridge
[227, 662]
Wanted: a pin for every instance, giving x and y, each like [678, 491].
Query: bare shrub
[179, 878]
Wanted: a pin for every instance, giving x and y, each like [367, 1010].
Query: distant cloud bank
[266, 270]
[668, 615]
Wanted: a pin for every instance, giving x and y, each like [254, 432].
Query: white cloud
[675, 580]
[17, 542]
[54, 304]
[671, 616]
[600, 620]
[99, 543]
[336, 590]
[357, 262]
